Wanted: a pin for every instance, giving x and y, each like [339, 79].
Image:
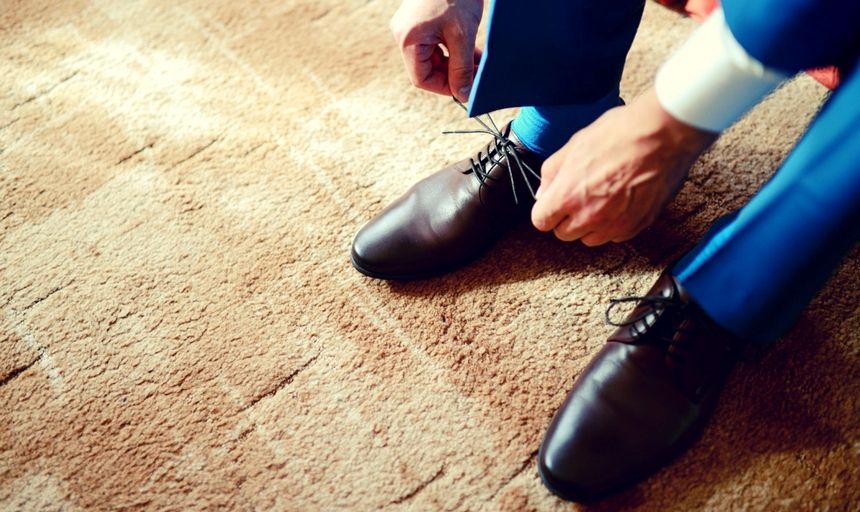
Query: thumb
[461, 68]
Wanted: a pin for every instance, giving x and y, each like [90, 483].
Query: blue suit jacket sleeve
[791, 35]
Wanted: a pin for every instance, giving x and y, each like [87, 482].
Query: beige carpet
[181, 327]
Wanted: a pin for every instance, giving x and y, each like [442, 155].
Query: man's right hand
[421, 26]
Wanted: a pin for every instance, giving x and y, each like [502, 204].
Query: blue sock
[544, 130]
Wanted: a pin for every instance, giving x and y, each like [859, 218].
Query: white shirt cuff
[711, 81]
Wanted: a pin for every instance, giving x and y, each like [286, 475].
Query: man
[607, 170]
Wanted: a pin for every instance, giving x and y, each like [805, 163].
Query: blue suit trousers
[757, 268]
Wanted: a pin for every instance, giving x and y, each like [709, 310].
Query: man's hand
[612, 179]
[420, 26]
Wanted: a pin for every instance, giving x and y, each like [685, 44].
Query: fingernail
[464, 92]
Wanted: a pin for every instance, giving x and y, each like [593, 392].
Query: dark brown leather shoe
[453, 216]
[642, 400]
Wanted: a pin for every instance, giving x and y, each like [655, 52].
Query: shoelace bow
[503, 147]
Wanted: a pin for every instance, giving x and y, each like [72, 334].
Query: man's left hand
[612, 179]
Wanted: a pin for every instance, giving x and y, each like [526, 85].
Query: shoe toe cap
[370, 253]
[384, 249]
[621, 421]
[571, 469]
[559, 483]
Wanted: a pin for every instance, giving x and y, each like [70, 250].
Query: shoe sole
[398, 277]
[414, 277]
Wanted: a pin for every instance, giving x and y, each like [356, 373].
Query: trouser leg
[757, 269]
[554, 52]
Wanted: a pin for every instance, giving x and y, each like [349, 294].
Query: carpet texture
[181, 328]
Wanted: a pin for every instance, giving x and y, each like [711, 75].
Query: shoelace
[655, 301]
[657, 306]
[503, 147]
[671, 343]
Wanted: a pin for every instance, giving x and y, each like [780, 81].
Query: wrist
[678, 134]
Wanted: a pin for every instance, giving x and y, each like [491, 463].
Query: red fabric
[700, 9]
[828, 76]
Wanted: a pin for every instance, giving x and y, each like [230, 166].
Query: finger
[633, 229]
[423, 67]
[604, 232]
[624, 228]
[561, 193]
[594, 239]
[551, 207]
[591, 231]
[461, 65]
[549, 170]
[573, 227]
[568, 234]
[619, 229]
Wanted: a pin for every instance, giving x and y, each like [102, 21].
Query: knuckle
[573, 205]
[595, 216]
